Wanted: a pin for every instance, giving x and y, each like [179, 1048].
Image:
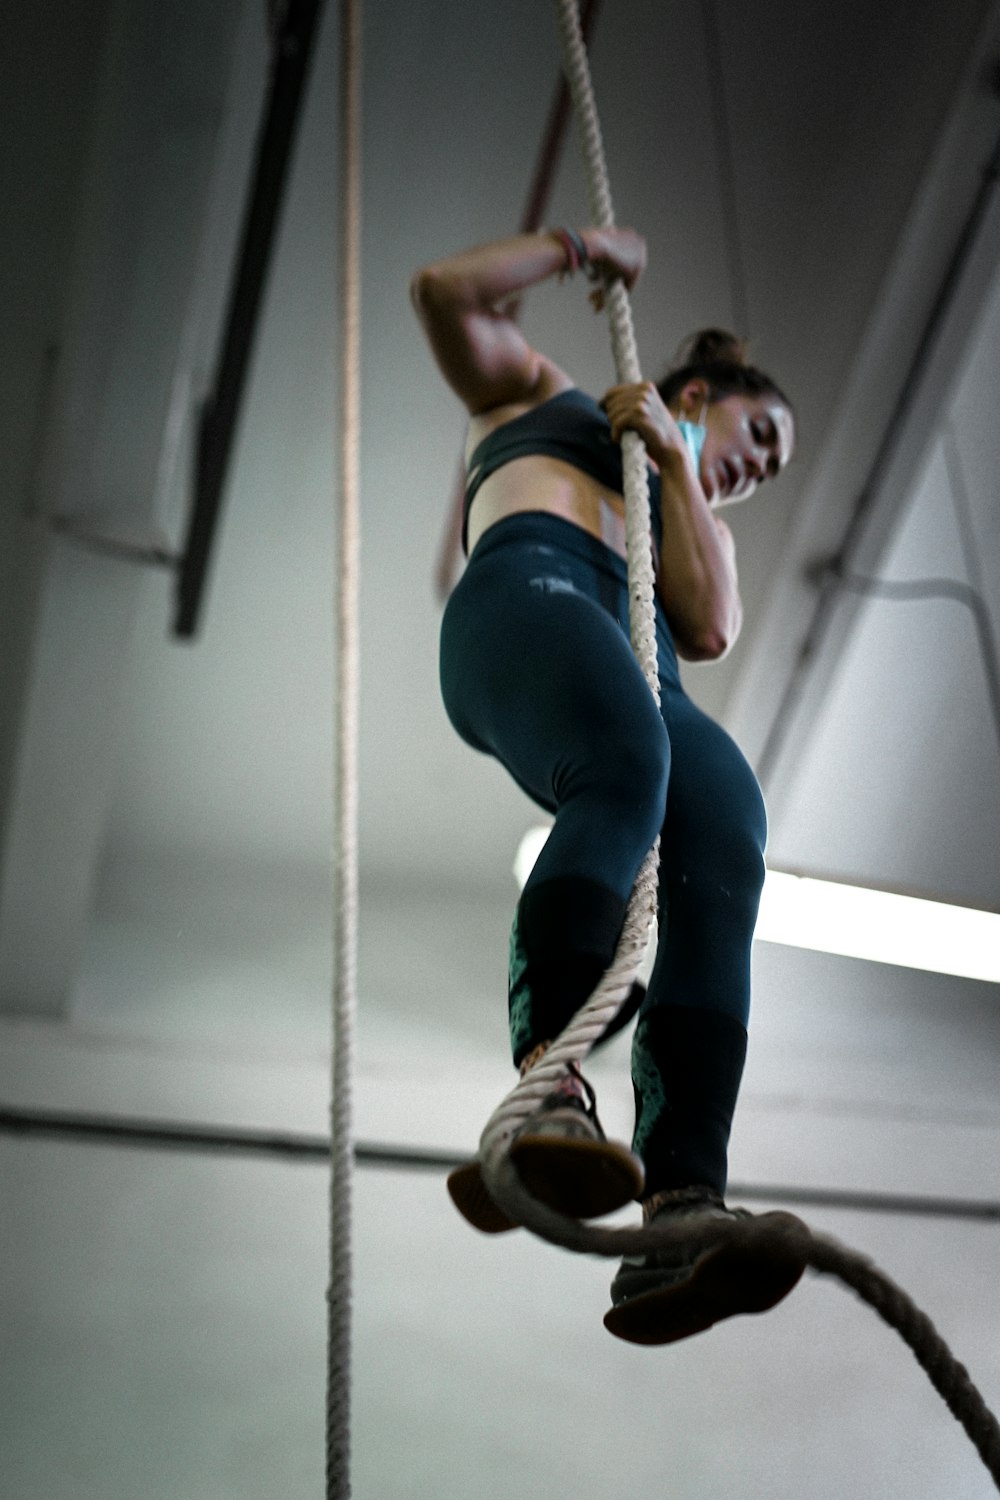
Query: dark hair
[718, 358]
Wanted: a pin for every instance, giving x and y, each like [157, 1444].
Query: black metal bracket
[294, 44]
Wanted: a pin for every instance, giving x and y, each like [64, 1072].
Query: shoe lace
[572, 1090]
[684, 1200]
[575, 1091]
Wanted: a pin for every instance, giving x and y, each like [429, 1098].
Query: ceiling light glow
[880, 926]
[855, 922]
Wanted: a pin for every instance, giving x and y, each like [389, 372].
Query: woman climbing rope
[537, 671]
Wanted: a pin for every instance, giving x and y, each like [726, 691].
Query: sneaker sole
[582, 1179]
[468, 1193]
[723, 1283]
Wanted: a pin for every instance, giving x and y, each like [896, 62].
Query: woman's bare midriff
[542, 483]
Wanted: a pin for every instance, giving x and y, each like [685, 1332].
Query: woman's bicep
[487, 361]
[480, 351]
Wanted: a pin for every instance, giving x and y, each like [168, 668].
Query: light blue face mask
[693, 434]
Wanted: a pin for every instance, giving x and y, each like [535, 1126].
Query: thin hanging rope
[729, 200]
[780, 1236]
[338, 1409]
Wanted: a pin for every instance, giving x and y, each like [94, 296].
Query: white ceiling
[165, 808]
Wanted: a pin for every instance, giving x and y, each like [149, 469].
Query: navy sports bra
[570, 426]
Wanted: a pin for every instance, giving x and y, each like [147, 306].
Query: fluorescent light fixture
[855, 922]
[879, 926]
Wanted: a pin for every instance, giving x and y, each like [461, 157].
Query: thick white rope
[338, 1405]
[587, 1026]
[779, 1235]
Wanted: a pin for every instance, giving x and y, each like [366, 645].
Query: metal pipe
[160, 1135]
[839, 565]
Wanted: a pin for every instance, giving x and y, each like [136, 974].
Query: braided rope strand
[895, 1307]
[338, 1400]
[642, 618]
[784, 1237]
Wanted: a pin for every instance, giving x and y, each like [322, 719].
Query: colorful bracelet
[576, 252]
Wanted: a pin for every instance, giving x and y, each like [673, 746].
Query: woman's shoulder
[552, 383]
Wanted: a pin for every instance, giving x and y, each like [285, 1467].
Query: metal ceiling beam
[931, 299]
[161, 1135]
[960, 295]
[294, 44]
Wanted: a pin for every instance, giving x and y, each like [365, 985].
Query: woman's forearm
[697, 576]
[697, 581]
[494, 273]
[490, 274]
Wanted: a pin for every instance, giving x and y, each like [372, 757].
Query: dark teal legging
[537, 670]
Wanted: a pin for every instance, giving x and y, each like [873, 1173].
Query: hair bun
[712, 346]
[719, 358]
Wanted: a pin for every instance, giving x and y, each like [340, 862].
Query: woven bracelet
[576, 253]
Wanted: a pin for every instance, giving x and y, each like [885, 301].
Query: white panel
[899, 781]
